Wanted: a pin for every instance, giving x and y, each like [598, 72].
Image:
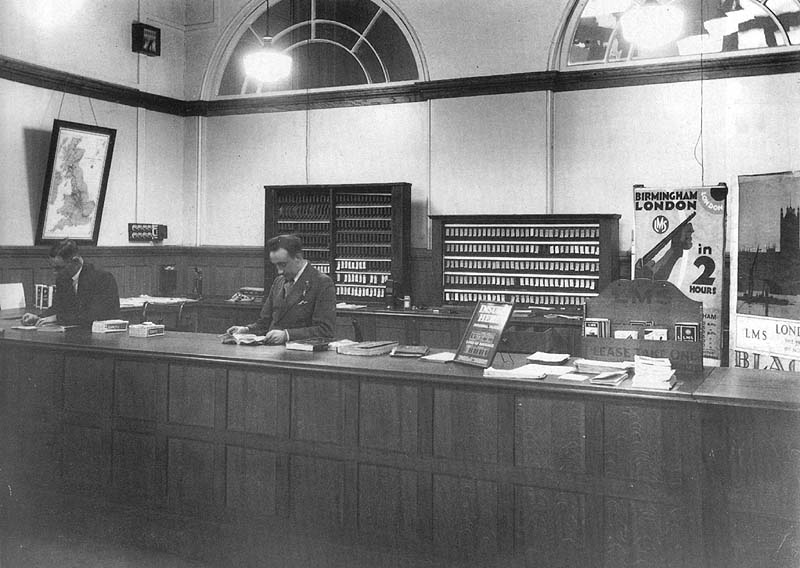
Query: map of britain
[76, 183]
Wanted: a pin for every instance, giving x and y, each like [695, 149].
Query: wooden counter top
[205, 348]
[751, 388]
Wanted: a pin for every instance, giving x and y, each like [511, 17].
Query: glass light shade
[652, 25]
[267, 65]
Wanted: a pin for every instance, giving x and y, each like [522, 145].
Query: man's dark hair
[66, 249]
[292, 244]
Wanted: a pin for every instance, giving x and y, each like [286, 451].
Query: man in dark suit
[83, 293]
[301, 302]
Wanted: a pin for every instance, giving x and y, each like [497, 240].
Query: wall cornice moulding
[46, 78]
[557, 81]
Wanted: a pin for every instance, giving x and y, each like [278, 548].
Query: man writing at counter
[302, 301]
[83, 293]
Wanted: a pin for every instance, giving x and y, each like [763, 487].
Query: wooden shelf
[538, 260]
[352, 230]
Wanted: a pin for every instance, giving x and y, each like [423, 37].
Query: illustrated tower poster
[765, 273]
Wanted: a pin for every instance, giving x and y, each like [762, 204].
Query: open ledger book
[244, 339]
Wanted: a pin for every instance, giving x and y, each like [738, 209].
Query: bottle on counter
[197, 289]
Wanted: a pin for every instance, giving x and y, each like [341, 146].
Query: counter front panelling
[394, 454]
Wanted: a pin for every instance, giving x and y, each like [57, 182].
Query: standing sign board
[679, 237]
[483, 334]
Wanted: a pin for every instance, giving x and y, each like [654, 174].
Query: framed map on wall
[75, 182]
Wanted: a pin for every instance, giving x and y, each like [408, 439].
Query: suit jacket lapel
[296, 292]
[283, 303]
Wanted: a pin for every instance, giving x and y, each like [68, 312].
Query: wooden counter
[397, 455]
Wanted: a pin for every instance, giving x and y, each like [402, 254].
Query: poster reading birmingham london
[680, 237]
[766, 293]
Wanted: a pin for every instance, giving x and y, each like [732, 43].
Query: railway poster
[679, 236]
[765, 282]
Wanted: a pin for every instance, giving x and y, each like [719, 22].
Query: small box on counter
[687, 331]
[146, 329]
[595, 327]
[655, 334]
[626, 334]
[44, 296]
[109, 326]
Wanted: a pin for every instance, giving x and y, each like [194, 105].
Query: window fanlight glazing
[714, 28]
[331, 43]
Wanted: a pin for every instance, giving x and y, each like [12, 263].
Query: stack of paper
[526, 372]
[653, 373]
[594, 366]
[609, 378]
[548, 358]
[441, 357]
[609, 373]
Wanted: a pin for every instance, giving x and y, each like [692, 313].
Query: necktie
[286, 287]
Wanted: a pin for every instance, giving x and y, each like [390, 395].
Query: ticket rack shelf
[536, 260]
[358, 234]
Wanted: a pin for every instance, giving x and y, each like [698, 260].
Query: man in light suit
[83, 293]
[301, 302]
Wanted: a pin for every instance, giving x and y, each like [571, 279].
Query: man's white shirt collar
[300, 273]
[75, 278]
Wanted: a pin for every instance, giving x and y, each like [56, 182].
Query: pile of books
[367, 348]
[653, 373]
[409, 351]
[311, 344]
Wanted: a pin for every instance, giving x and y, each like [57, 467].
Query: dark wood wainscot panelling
[452, 467]
[137, 269]
[753, 486]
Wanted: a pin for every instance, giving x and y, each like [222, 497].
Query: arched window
[332, 43]
[601, 32]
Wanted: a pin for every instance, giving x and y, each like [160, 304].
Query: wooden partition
[136, 268]
[400, 456]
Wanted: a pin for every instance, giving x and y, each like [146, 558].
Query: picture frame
[75, 182]
[145, 39]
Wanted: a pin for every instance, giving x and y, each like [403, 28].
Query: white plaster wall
[204, 177]
[489, 154]
[145, 181]
[92, 39]
[457, 38]
[242, 154]
[26, 114]
[670, 135]
[160, 175]
[608, 140]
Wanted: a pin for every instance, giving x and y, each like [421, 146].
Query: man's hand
[29, 319]
[276, 337]
[48, 319]
[237, 329]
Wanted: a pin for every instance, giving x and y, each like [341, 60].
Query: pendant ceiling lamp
[268, 64]
[652, 24]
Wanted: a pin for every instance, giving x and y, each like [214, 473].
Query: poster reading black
[483, 334]
[765, 280]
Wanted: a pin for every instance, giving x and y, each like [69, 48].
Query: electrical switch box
[146, 232]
